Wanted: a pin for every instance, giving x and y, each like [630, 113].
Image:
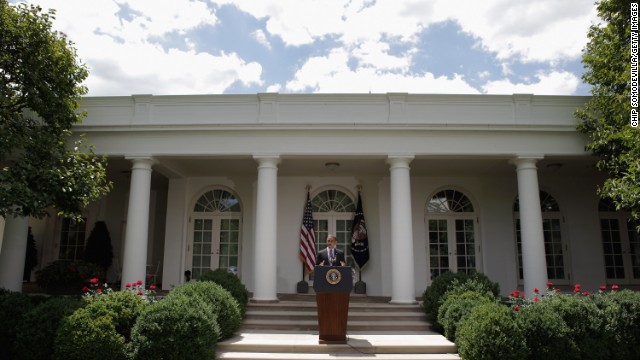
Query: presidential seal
[333, 276]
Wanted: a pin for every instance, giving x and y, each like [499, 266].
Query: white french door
[452, 245]
[214, 243]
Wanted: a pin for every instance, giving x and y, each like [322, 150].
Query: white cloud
[540, 30]
[261, 38]
[377, 55]
[331, 74]
[554, 83]
[122, 55]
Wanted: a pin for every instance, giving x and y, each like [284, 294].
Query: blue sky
[328, 46]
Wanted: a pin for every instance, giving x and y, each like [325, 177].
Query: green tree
[41, 165]
[606, 116]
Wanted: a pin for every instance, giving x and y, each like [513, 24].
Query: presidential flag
[307, 238]
[359, 238]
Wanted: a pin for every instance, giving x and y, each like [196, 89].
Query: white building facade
[495, 184]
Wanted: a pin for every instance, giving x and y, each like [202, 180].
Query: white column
[402, 271]
[265, 254]
[134, 265]
[534, 264]
[13, 252]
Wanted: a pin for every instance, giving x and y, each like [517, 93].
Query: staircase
[375, 330]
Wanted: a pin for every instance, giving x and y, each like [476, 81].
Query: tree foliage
[41, 166]
[606, 116]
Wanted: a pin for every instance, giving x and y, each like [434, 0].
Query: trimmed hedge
[37, 330]
[224, 306]
[585, 321]
[555, 326]
[457, 306]
[490, 332]
[175, 328]
[231, 283]
[101, 329]
[622, 313]
[432, 297]
[13, 307]
[546, 334]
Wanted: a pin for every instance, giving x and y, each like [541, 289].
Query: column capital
[400, 160]
[267, 159]
[526, 161]
[141, 161]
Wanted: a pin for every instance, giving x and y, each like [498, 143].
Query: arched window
[451, 233]
[554, 245]
[620, 244]
[215, 225]
[333, 212]
[217, 200]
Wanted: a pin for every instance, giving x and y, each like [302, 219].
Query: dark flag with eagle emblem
[359, 238]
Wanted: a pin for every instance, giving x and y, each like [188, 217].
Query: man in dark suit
[331, 256]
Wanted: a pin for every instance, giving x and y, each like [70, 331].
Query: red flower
[535, 290]
[614, 287]
[603, 288]
[94, 280]
[549, 284]
[139, 292]
[99, 291]
[536, 299]
[523, 296]
[139, 282]
[516, 308]
[85, 289]
[576, 288]
[152, 287]
[127, 285]
[586, 293]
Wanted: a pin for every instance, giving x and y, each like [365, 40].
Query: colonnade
[265, 259]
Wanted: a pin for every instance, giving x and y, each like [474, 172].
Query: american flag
[308, 238]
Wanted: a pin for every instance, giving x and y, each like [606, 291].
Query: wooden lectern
[332, 285]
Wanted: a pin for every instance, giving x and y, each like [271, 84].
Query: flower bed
[577, 325]
[106, 324]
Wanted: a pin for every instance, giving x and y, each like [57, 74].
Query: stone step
[302, 315]
[286, 324]
[409, 345]
[376, 329]
[286, 305]
[353, 315]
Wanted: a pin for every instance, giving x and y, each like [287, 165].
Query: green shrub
[621, 311]
[84, 335]
[225, 307]
[231, 283]
[545, 332]
[432, 297]
[175, 328]
[490, 332]
[66, 276]
[104, 323]
[586, 323]
[37, 330]
[456, 307]
[13, 307]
